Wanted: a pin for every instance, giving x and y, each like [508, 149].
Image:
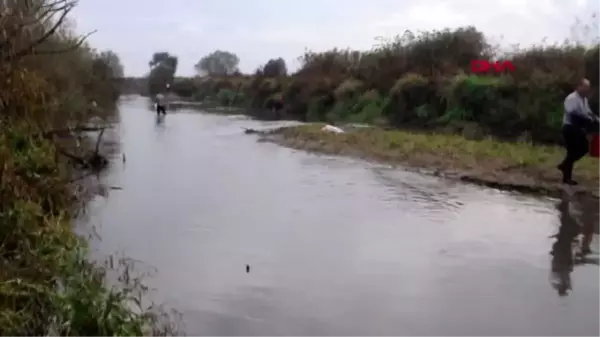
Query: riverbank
[518, 167]
[210, 107]
[48, 284]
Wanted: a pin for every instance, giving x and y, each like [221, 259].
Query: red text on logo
[483, 66]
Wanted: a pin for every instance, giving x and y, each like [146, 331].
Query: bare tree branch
[80, 41]
[98, 140]
[68, 131]
[45, 36]
[47, 12]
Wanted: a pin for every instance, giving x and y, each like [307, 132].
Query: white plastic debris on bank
[331, 128]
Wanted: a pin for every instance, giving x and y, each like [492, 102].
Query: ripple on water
[336, 245]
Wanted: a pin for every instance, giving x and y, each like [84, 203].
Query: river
[336, 246]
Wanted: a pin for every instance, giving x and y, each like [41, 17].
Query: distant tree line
[415, 80]
[163, 67]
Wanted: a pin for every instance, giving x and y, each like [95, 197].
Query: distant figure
[577, 120]
[160, 104]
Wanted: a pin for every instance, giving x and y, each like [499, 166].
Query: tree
[162, 72]
[218, 63]
[114, 62]
[275, 67]
[163, 59]
[39, 52]
[107, 72]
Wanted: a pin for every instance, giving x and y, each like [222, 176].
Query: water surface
[336, 246]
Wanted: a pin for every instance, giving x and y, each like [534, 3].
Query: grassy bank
[47, 285]
[49, 78]
[513, 166]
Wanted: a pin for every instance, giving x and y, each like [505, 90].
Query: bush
[368, 108]
[423, 80]
[480, 97]
[348, 89]
[184, 87]
[229, 97]
[275, 68]
[409, 92]
[47, 285]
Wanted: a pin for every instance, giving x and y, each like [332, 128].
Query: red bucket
[595, 146]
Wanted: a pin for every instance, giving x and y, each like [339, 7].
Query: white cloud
[261, 29]
[192, 28]
[507, 21]
[425, 16]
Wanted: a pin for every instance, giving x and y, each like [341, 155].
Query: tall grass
[48, 78]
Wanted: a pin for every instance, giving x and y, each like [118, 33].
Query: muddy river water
[336, 246]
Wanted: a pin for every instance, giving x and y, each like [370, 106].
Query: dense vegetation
[49, 77]
[419, 81]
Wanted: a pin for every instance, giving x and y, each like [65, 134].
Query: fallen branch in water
[69, 131]
[252, 131]
[98, 141]
[94, 161]
[71, 156]
[83, 176]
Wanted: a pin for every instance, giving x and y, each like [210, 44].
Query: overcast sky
[257, 30]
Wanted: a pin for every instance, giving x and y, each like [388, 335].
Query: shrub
[47, 285]
[275, 68]
[423, 80]
[409, 92]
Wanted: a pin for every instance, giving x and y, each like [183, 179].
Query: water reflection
[334, 249]
[160, 121]
[569, 249]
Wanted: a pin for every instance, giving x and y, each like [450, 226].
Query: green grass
[446, 151]
[47, 285]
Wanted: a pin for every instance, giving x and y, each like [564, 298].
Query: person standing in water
[577, 119]
[160, 104]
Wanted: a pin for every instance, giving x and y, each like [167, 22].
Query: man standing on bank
[577, 119]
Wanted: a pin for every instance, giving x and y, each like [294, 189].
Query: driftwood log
[93, 160]
[68, 132]
[253, 131]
